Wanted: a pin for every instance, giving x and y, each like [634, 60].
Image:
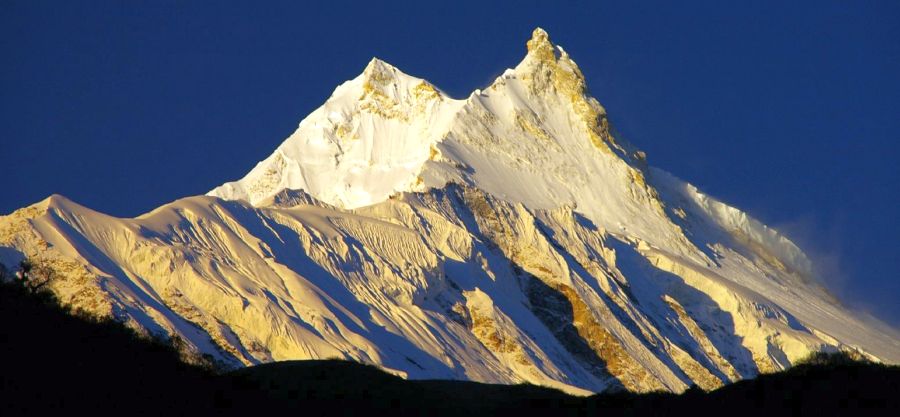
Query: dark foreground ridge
[53, 362]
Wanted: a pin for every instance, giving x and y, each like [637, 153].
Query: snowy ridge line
[468, 266]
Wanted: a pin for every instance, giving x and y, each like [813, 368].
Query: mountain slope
[508, 237]
[367, 141]
[38, 378]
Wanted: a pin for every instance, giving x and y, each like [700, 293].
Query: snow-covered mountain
[507, 237]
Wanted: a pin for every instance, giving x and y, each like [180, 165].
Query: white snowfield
[504, 238]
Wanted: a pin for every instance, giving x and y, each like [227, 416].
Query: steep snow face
[366, 142]
[535, 136]
[508, 237]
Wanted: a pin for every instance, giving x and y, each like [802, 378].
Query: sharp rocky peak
[547, 60]
[540, 45]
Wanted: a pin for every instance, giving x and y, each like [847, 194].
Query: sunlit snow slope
[508, 237]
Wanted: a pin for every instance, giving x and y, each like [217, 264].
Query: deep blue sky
[791, 112]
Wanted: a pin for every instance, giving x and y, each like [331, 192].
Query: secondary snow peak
[380, 74]
[367, 141]
[376, 64]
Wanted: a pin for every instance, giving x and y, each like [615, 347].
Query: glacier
[506, 237]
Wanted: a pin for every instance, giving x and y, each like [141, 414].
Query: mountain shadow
[652, 286]
[557, 313]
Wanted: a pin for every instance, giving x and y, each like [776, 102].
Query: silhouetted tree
[34, 275]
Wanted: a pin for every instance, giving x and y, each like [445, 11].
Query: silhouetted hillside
[53, 361]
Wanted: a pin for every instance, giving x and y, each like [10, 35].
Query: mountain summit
[368, 141]
[506, 237]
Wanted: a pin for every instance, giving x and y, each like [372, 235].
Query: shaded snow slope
[507, 237]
